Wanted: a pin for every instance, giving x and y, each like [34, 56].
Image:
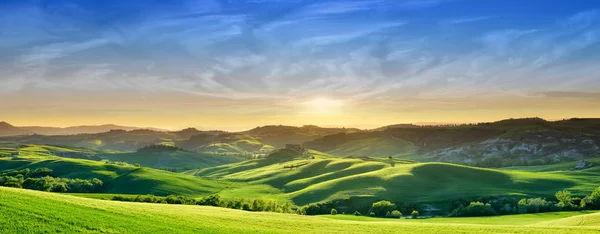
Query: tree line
[41, 179]
[214, 200]
[486, 206]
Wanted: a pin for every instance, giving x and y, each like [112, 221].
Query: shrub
[246, 206]
[212, 200]
[333, 211]
[357, 213]
[381, 208]
[41, 172]
[10, 181]
[474, 209]
[594, 199]
[60, 187]
[414, 214]
[564, 198]
[372, 214]
[536, 205]
[395, 214]
[312, 209]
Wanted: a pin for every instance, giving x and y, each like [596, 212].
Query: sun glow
[323, 105]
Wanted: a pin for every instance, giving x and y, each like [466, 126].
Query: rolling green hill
[327, 179]
[177, 160]
[171, 158]
[362, 144]
[26, 211]
[118, 179]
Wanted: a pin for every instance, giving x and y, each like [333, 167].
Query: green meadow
[26, 211]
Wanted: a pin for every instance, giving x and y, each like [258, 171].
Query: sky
[238, 64]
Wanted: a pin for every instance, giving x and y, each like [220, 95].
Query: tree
[414, 214]
[381, 208]
[474, 209]
[333, 211]
[395, 214]
[594, 199]
[564, 198]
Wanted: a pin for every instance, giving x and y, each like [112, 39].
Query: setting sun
[323, 105]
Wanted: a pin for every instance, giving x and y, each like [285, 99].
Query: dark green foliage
[372, 214]
[414, 214]
[357, 213]
[564, 198]
[593, 200]
[313, 209]
[41, 172]
[535, 205]
[473, 209]
[395, 214]
[333, 211]
[158, 147]
[381, 208]
[10, 181]
[41, 180]
[212, 200]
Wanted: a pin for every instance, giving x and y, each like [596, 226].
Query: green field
[26, 211]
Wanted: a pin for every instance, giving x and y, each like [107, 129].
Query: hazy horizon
[245, 128]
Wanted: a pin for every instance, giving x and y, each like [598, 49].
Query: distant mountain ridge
[7, 129]
[510, 142]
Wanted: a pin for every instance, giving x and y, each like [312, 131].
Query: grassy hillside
[118, 179]
[25, 211]
[171, 158]
[178, 160]
[362, 144]
[314, 180]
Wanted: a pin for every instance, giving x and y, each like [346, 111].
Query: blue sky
[268, 57]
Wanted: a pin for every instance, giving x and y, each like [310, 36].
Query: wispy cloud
[468, 19]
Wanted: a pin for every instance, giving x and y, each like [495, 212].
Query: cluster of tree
[41, 179]
[118, 163]
[158, 147]
[474, 209]
[213, 200]
[564, 202]
[382, 209]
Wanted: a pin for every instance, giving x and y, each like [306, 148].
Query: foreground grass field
[26, 211]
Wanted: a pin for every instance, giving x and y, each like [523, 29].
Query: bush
[536, 205]
[357, 213]
[333, 211]
[564, 198]
[315, 209]
[41, 172]
[414, 214]
[395, 214]
[381, 208]
[474, 209]
[593, 201]
[212, 200]
[372, 214]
